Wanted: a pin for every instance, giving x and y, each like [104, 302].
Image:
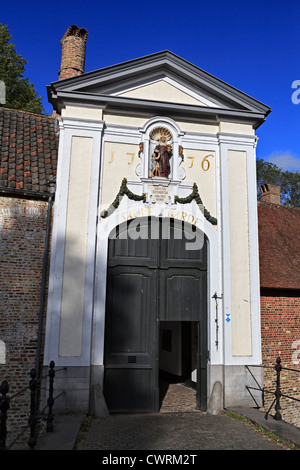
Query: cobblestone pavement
[178, 426]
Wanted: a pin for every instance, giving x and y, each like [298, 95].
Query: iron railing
[34, 387]
[277, 392]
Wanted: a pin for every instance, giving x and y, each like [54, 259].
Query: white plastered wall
[71, 278]
[241, 307]
[164, 90]
[72, 303]
[239, 251]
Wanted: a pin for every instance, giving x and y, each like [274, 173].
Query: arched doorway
[155, 275]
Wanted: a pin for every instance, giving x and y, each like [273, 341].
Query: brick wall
[22, 241]
[280, 327]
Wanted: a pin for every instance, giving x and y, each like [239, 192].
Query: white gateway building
[154, 257]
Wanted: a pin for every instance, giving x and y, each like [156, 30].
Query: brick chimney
[73, 52]
[270, 193]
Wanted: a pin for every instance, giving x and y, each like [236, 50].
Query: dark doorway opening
[178, 346]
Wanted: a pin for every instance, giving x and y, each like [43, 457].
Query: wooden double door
[153, 276]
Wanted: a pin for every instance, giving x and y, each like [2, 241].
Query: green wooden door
[149, 279]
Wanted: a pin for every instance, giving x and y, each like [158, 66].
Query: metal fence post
[50, 401]
[278, 368]
[32, 417]
[4, 406]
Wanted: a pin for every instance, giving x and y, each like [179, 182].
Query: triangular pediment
[161, 78]
[166, 90]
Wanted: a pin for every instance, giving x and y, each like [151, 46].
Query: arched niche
[155, 163]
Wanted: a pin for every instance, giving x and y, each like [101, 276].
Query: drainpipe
[43, 289]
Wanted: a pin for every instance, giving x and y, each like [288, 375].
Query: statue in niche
[160, 165]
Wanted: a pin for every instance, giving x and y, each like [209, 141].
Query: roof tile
[28, 147]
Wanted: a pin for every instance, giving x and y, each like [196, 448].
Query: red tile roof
[28, 150]
[279, 246]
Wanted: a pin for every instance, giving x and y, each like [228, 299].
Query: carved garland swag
[177, 200]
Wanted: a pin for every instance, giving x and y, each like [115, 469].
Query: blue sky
[253, 46]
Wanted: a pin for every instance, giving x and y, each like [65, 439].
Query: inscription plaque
[160, 194]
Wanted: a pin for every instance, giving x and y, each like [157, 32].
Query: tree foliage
[289, 181]
[20, 93]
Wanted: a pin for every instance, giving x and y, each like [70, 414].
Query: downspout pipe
[43, 288]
